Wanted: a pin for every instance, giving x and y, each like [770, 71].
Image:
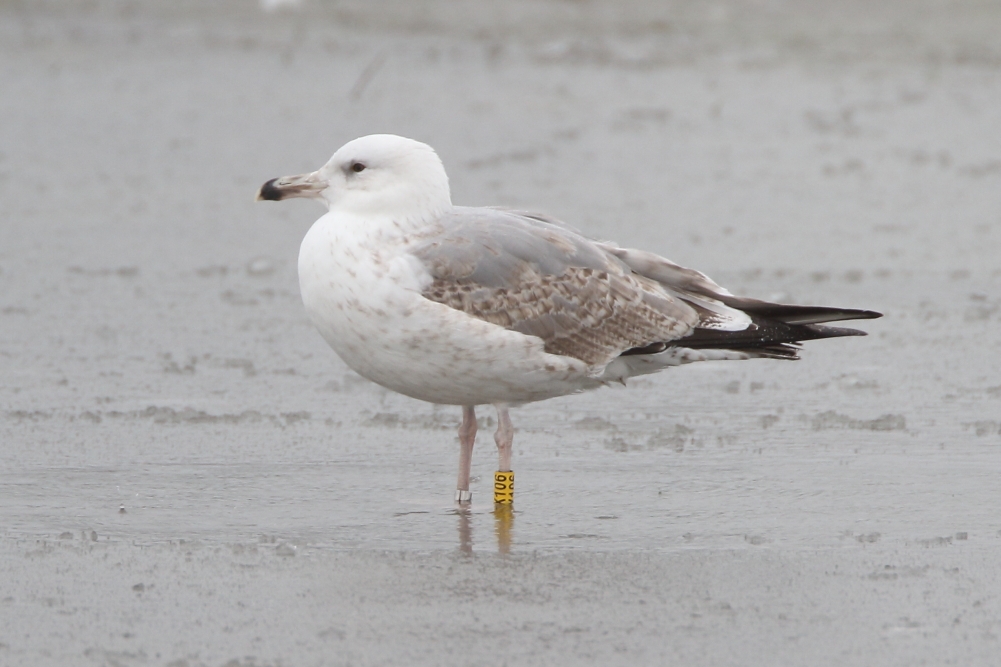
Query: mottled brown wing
[723, 308]
[545, 280]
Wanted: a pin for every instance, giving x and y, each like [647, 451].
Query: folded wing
[594, 301]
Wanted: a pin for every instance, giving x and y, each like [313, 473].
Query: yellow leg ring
[503, 487]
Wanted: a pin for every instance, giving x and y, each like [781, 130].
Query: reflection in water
[503, 523]
[465, 530]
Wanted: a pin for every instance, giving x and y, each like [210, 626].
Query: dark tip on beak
[269, 192]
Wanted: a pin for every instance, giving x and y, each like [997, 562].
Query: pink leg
[467, 436]
[504, 437]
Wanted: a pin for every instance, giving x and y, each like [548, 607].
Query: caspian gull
[471, 306]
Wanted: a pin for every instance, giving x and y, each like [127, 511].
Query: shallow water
[189, 476]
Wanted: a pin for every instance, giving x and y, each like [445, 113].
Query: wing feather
[545, 280]
[595, 301]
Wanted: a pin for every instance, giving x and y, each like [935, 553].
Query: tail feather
[762, 333]
[787, 351]
[774, 331]
[764, 338]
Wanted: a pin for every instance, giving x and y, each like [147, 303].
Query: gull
[471, 306]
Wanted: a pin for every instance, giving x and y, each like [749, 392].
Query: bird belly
[367, 305]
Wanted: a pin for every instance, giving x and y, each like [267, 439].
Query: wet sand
[189, 476]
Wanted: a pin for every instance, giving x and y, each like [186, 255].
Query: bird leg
[504, 437]
[467, 436]
[503, 478]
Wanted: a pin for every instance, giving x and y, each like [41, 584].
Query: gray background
[188, 476]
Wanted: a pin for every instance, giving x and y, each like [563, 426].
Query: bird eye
[357, 166]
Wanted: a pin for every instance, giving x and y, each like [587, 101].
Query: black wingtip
[822, 331]
[793, 314]
[269, 192]
[868, 315]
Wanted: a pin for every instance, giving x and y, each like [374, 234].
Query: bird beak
[303, 185]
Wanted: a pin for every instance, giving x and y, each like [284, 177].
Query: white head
[381, 174]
